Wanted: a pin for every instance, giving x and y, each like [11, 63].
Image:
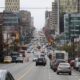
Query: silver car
[64, 68]
[6, 75]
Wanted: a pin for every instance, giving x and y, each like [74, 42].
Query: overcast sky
[38, 14]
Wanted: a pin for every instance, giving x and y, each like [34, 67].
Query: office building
[12, 5]
[71, 25]
[54, 16]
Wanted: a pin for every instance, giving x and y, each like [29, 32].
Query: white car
[19, 59]
[7, 59]
[35, 58]
[6, 75]
[64, 68]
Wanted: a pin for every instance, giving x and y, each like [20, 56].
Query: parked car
[79, 68]
[6, 75]
[14, 56]
[76, 63]
[1, 58]
[41, 61]
[64, 68]
[7, 59]
[54, 63]
[19, 59]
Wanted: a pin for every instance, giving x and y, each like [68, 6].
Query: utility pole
[73, 47]
[1, 38]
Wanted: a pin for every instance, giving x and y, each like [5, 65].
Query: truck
[57, 57]
[58, 54]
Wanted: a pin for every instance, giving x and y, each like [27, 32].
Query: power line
[31, 8]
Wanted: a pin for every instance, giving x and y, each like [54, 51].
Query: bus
[58, 54]
[58, 57]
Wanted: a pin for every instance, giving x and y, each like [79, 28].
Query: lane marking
[29, 70]
[21, 71]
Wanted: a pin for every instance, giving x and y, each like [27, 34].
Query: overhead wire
[31, 7]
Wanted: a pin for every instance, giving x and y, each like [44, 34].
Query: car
[79, 68]
[41, 61]
[54, 63]
[19, 59]
[64, 68]
[6, 75]
[1, 58]
[76, 63]
[35, 57]
[7, 59]
[14, 56]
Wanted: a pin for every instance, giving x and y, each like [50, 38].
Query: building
[54, 16]
[63, 7]
[69, 6]
[47, 16]
[71, 25]
[12, 5]
[26, 24]
[11, 21]
[25, 19]
[49, 20]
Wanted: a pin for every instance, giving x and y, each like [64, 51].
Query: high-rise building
[65, 6]
[54, 15]
[72, 25]
[69, 6]
[12, 5]
[49, 20]
[11, 21]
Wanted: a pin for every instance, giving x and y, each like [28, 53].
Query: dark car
[41, 61]
[6, 75]
[14, 56]
[54, 64]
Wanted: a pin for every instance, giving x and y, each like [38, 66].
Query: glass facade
[72, 25]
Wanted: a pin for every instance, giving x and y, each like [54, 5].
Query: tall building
[11, 21]
[65, 6]
[54, 15]
[72, 25]
[49, 20]
[68, 6]
[12, 5]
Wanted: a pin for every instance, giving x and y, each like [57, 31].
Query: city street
[28, 71]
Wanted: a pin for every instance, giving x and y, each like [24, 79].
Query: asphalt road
[28, 71]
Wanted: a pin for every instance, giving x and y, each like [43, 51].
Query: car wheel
[36, 64]
[57, 73]
[54, 70]
[69, 73]
[76, 69]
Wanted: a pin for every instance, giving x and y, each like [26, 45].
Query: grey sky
[38, 14]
